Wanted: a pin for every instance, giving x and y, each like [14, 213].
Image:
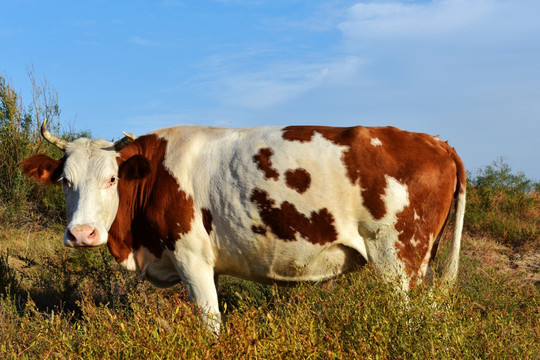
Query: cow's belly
[291, 262]
[161, 272]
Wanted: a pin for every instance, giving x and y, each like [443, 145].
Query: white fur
[129, 263]
[450, 268]
[216, 167]
[90, 165]
[381, 247]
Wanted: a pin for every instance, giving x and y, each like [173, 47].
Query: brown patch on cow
[427, 166]
[300, 133]
[262, 159]
[261, 230]
[134, 168]
[298, 179]
[43, 168]
[153, 211]
[207, 220]
[285, 221]
[430, 198]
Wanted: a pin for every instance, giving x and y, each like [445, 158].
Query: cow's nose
[83, 235]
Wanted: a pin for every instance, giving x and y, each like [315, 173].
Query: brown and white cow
[268, 204]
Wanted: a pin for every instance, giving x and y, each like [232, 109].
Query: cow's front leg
[198, 277]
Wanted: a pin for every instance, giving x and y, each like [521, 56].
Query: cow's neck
[154, 211]
[133, 195]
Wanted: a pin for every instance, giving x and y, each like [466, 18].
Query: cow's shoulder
[147, 189]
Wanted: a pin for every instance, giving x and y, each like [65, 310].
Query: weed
[9, 282]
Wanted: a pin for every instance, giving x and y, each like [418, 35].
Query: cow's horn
[53, 139]
[125, 141]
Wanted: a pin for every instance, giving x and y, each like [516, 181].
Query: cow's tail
[450, 267]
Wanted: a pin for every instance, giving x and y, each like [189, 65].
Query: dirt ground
[523, 261]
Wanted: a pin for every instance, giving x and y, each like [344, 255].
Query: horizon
[466, 71]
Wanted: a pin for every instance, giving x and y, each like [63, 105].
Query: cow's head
[88, 173]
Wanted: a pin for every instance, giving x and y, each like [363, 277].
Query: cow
[267, 204]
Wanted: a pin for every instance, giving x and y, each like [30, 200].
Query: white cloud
[397, 19]
[395, 42]
[439, 18]
[426, 46]
[282, 82]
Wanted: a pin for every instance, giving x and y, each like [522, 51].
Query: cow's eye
[113, 180]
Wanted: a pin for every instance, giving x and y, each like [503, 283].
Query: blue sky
[468, 70]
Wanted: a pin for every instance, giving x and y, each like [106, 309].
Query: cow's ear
[43, 168]
[136, 167]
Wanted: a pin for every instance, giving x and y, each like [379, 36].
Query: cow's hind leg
[383, 256]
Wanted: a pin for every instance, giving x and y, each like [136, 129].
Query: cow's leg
[199, 279]
[216, 282]
[382, 254]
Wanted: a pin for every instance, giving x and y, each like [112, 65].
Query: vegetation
[503, 205]
[81, 306]
[22, 200]
[19, 138]
[62, 303]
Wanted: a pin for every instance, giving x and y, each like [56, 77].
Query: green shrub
[503, 205]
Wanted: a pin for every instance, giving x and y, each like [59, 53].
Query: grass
[81, 305]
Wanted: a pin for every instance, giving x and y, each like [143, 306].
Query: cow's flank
[264, 163]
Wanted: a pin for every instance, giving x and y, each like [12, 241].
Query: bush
[22, 199]
[503, 205]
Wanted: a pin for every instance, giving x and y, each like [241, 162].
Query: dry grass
[96, 310]
[522, 264]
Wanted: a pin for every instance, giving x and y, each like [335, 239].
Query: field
[60, 303]
[79, 304]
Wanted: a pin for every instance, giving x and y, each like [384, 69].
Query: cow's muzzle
[82, 235]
